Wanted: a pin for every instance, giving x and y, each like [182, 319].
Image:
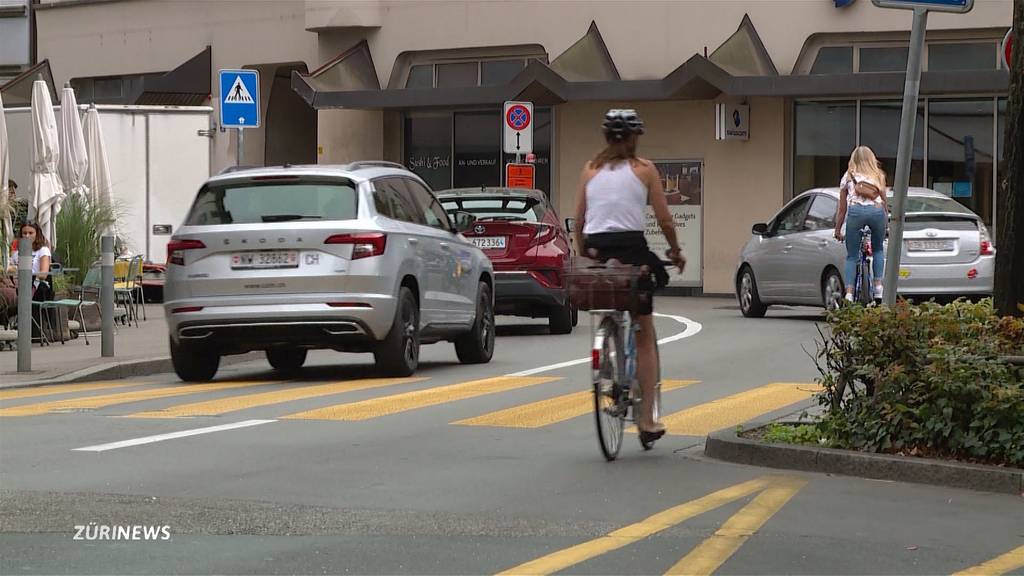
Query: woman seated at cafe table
[41, 256]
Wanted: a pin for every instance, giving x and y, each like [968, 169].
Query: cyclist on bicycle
[615, 189]
[862, 202]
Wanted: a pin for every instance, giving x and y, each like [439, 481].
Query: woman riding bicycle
[615, 189]
[862, 202]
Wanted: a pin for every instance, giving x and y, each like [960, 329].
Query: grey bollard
[107, 295]
[25, 306]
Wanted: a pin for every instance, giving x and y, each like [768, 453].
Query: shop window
[960, 154]
[883, 59]
[428, 147]
[477, 149]
[880, 131]
[421, 76]
[833, 60]
[962, 56]
[500, 71]
[824, 135]
[457, 75]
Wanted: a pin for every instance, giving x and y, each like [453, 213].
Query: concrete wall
[348, 135]
[743, 180]
[649, 38]
[151, 36]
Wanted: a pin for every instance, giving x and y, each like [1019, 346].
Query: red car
[521, 233]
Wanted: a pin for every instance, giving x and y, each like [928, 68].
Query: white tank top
[616, 201]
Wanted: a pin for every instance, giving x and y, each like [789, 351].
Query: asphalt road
[465, 470]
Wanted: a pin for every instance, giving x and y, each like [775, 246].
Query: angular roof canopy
[17, 92]
[186, 85]
[740, 67]
[743, 54]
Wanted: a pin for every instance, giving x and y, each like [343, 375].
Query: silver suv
[355, 258]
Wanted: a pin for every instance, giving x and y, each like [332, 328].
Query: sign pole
[241, 146]
[904, 156]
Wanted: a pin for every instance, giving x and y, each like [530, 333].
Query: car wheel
[192, 363]
[750, 302]
[477, 346]
[832, 290]
[399, 353]
[575, 316]
[286, 359]
[560, 319]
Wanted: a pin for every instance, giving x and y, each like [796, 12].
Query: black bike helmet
[618, 124]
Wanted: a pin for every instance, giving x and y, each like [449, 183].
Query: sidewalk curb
[121, 370]
[726, 445]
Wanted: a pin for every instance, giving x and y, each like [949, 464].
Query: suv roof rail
[231, 169]
[374, 163]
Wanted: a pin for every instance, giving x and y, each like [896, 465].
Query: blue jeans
[857, 217]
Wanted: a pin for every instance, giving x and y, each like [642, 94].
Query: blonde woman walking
[862, 202]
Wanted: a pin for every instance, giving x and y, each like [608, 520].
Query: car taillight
[176, 250]
[542, 234]
[987, 249]
[363, 245]
[972, 273]
[186, 309]
[595, 359]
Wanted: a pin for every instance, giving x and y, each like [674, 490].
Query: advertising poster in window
[683, 181]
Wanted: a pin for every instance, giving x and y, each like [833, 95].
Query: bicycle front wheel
[645, 441]
[610, 401]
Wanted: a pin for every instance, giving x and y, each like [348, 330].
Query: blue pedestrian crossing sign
[239, 99]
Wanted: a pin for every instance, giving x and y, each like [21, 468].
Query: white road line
[691, 329]
[171, 436]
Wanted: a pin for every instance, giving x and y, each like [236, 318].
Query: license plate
[489, 242]
[265, 259]
[930, 245]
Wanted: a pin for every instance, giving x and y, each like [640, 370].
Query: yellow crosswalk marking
[396, 403]
[713, 552]
[737, 409]
[749, 519]
[552, 410]
[61, 389]
[93, 402]
[235, 403]
[1012, 560]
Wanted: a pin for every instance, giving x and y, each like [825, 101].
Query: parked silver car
[355, 258]
[794, 258]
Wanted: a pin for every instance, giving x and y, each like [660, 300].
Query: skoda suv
[354, 258]
[521, 233]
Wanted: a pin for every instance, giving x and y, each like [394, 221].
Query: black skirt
[631, 248]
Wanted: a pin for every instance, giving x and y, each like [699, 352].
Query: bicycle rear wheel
[610, 402]
[864, 293]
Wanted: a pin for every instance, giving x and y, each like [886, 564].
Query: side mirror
[760, 229]
[463, 220]
[570, 225]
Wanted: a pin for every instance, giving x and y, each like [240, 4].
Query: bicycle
[609, 293]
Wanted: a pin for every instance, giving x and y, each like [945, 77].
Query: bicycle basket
[596, 286]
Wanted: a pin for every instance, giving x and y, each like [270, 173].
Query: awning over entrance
[740, 67]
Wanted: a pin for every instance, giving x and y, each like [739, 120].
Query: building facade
[800, 83]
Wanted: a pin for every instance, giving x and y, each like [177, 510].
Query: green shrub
[80, 225]
[789, 434]
[925, 379]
